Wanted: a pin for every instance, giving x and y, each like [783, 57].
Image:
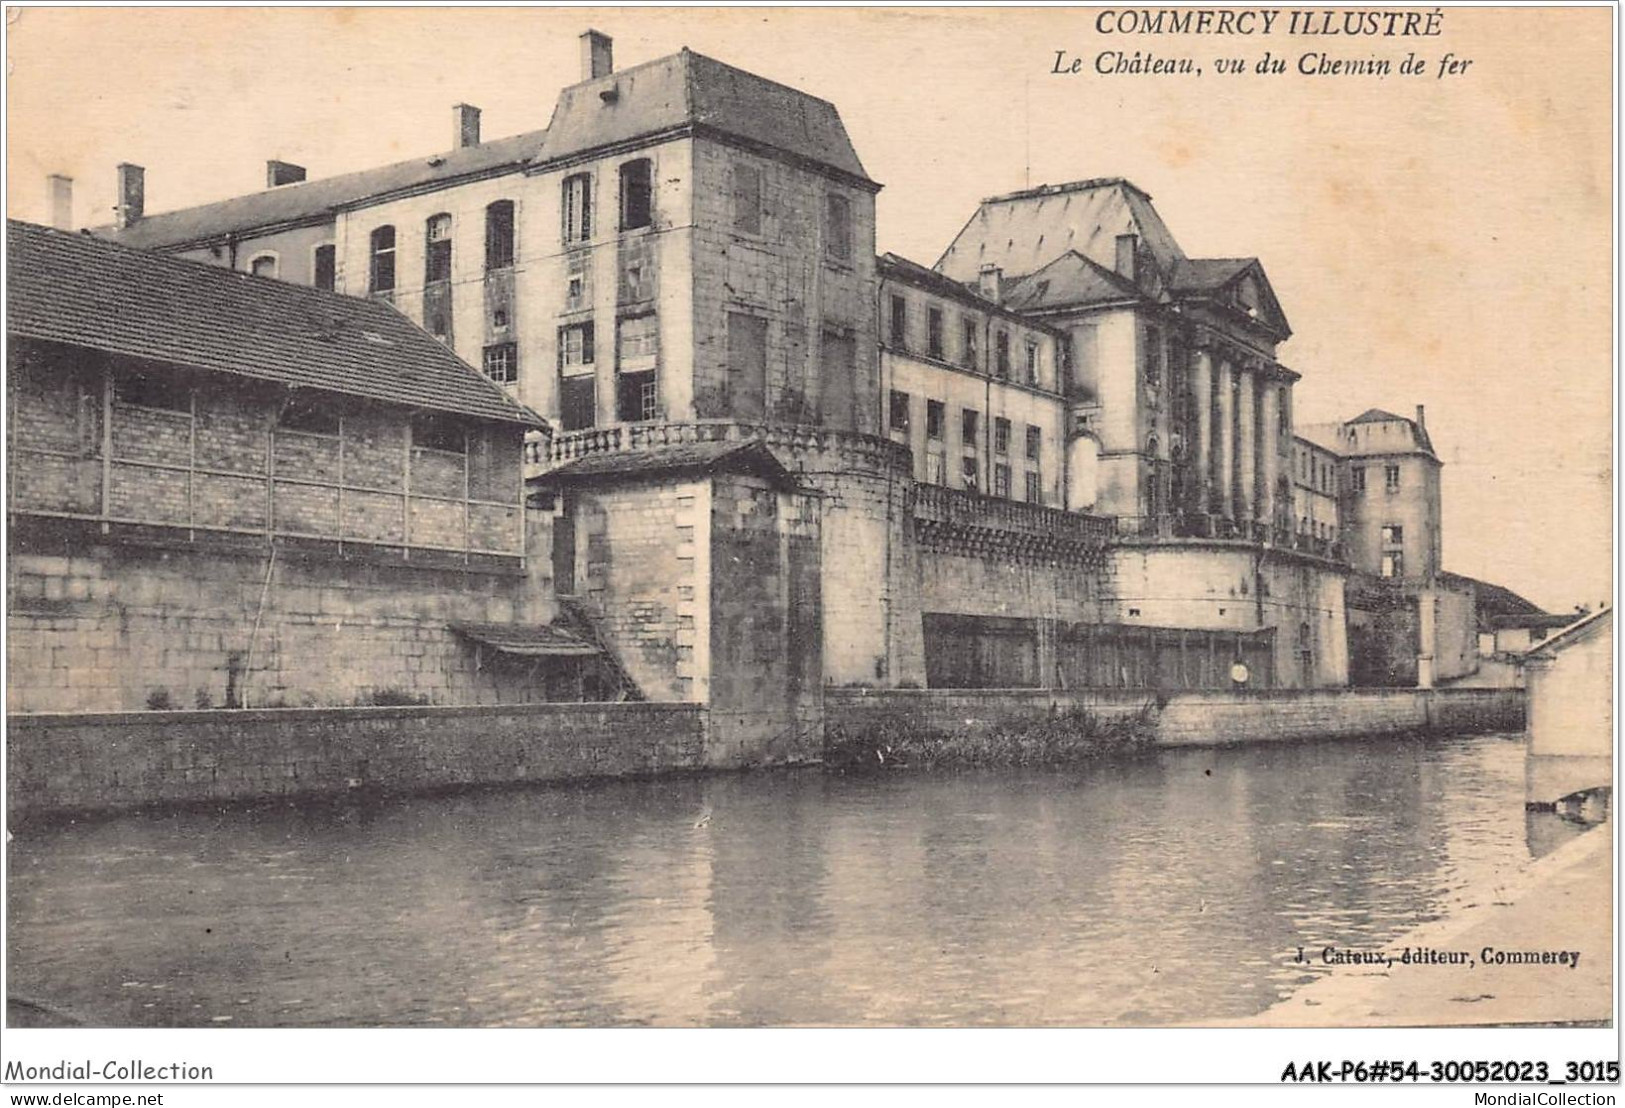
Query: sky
[1444, 241]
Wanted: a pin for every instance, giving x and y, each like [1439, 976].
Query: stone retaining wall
[95, 760]
[1199, 718]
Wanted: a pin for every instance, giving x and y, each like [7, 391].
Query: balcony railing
[945, 507]
[566, 446]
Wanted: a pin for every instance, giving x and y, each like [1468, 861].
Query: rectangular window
[1357, 480]
[437, 249]
[838, 372]
[326, 266]
[899, 323]
[1393, 535]
[899, 410]
[1035, 487]
[637, 194]
[969, 425]
[578, 402]
[1032, 363]
[381, 276]
[747, 365]
[747, 199]
[636, 398]
[1393, 564]
[638, 342]
[1001, 435]
[501, 362]
[837, 227]
[968, 472]
[576, 348]
[1152, 339]
[1002, 346]
[936, 468]
[968, 345]
[1283, 412]
[1390, 476]
[1001, 480]
[935, 418]
[1035, 439]
[499, 234]
[933, 332]
[577, 208]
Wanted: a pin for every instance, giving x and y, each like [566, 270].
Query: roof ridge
[1083, 185]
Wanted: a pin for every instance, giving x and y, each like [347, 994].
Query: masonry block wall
[104, 626]
[642, 563]
[60, 764]
[766, 633]
[814, 299]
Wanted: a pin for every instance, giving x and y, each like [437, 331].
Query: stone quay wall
[69, 762]
[1196, 718]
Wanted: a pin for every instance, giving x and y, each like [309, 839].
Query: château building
[1064, 455]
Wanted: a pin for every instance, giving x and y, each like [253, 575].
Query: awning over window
[527, 640]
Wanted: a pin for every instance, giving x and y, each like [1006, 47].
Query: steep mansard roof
[81, 291]
[684, 90]
[689, 90]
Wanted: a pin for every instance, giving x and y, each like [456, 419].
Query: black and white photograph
[809, 518]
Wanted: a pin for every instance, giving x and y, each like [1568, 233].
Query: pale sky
[1438, 241]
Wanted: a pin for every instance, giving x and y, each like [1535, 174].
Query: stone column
[1202, 388]
[1225, 443]
[1271, 455]
[1246, 444]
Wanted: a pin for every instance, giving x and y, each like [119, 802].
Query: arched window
[381, 274]
[437, 249]
[499, 234]
[1151, 445]
[263, 265]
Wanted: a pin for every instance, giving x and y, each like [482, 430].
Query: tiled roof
[691, 90]
[695, 457]
[1580, 629]
[1024, 231]
[1072, 280]
[1205, 274]
[1499, 607]
[1377, 415]
[79, 290]
[897, 267]
[320, 199]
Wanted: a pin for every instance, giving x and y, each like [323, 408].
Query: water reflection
[1168, 889]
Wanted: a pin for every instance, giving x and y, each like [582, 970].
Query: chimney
[282, 173]
[1128, 248]
[1421, 417]
[132, 194]
[465, 119]
[61, 190]
[597, 55]
[988, 280]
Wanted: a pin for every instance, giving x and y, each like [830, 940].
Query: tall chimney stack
[132, 194]
[61, 189]
[282, 173]
[988, 281]
[1421, 417]
[465, 119]
[597, 55]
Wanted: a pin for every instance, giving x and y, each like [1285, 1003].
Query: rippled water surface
[1170, 889]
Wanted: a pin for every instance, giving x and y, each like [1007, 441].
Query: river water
[1172, 888]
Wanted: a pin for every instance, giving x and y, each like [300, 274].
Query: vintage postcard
[809, 518]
